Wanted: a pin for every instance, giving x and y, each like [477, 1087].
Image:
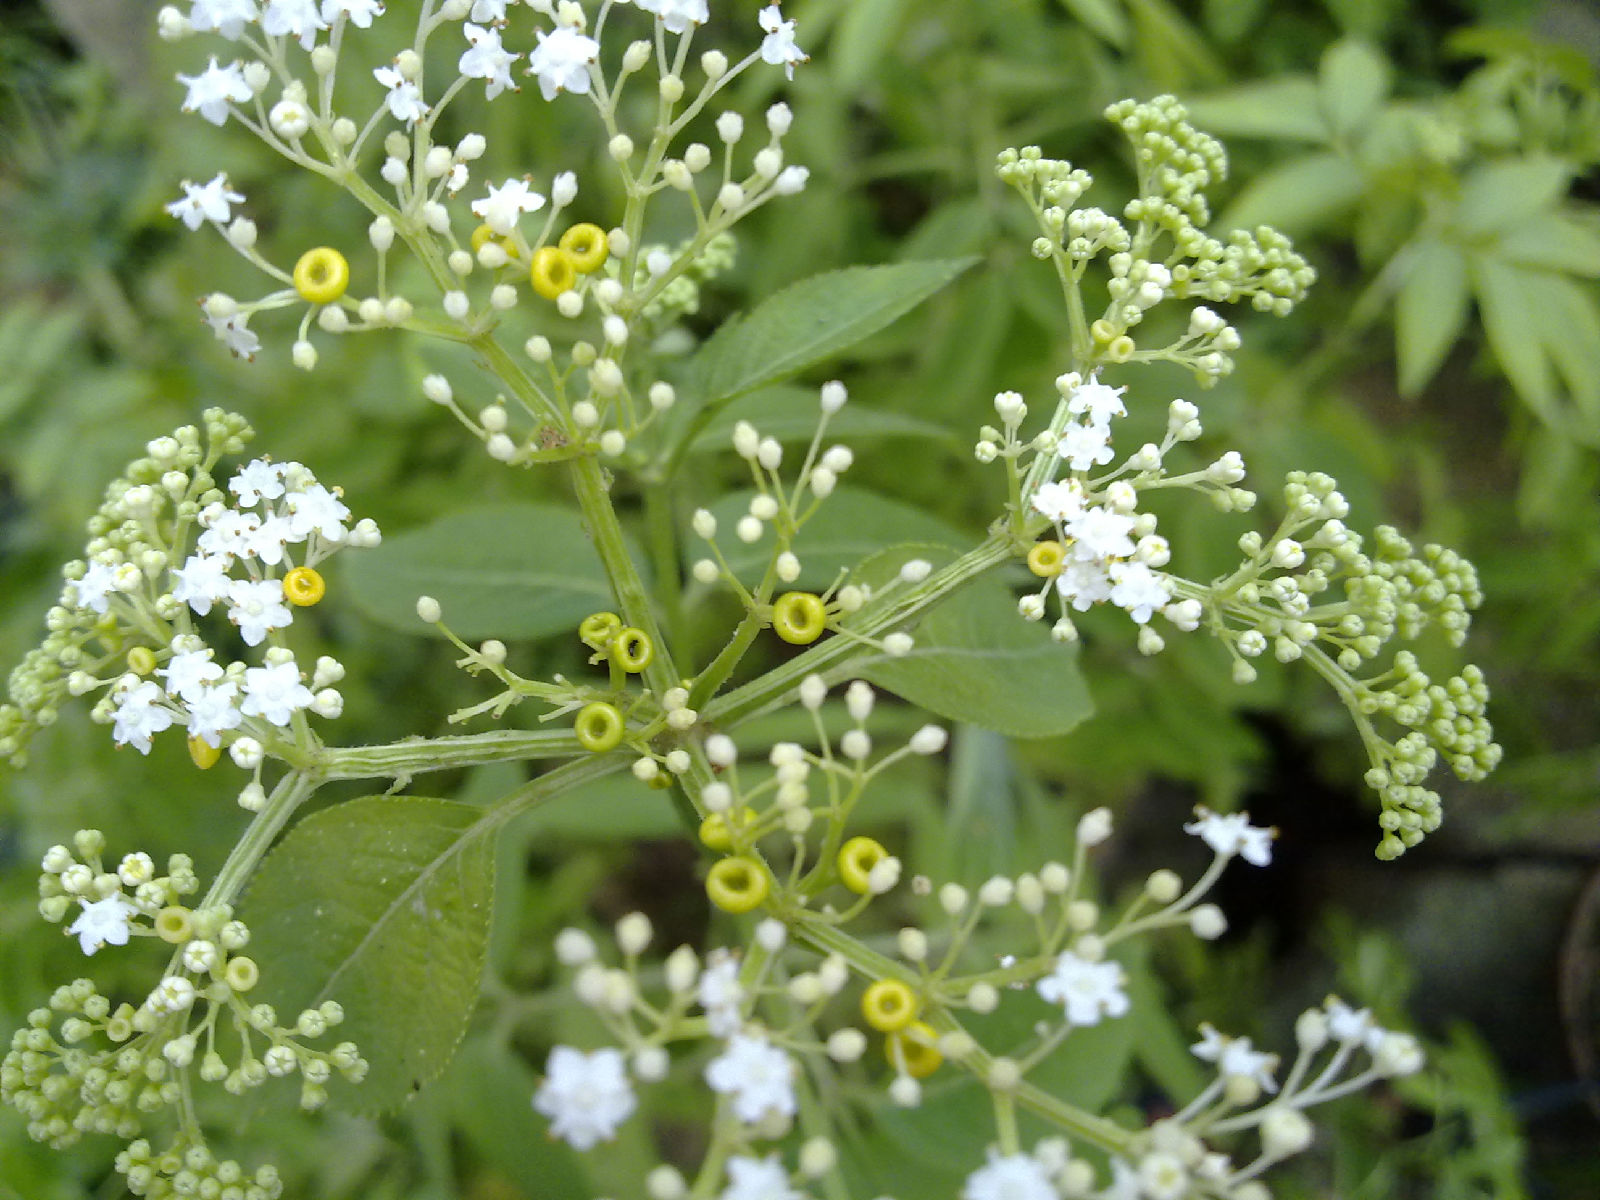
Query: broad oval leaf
[1353, 82]
[1498, 196]
[1298, 196]
[812, 320]
[1429, 311]
[507, 570]
[1553, 242]
[383, 905]
[1289, 107]
[975, 660]
[1509, 300]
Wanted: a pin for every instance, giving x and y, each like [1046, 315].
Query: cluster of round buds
[108, 906]
[1176, 161]
[189, 1168]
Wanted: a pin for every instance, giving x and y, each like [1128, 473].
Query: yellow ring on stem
[552, 272]
[889, 1005]
[1047, 558]
[304, 586]
[585, 244]
[799, 617]
[322, 275]
[737, 884]
[857, 857]
[599, 727]
[632, 649]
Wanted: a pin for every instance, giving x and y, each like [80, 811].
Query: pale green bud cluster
[137, 530]
[68, 880]
[1285, 598]
[190, 1169]
[681, 295]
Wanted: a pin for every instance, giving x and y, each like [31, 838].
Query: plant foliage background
[1438, 163]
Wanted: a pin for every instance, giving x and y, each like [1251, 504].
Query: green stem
[416, 755]
[292, 790]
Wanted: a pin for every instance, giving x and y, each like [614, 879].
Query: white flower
[501, 208]
[257, 607]
[202, 580]
[1232, 833]
[314, 509]
[1087, 990]
[1098, 401]
[234, 333]
[94, 589]
[485, 11]
[360, 12]
[1138, 589]
[778, 46]
[188, 672]
[757, 1179]
[212, 711]
[211, 91]
[487, 60]
[1013, 1177]
[1060, 500]
[140, 713]
[205, 202]
[405, 97]
[225, 531]
[1101, 533]
[258, 480]
[677, 15]
[227, 17]
[1084, 582]
[758, 1075]
[103, 923]
[720, 995]
[561, 61]
[1235, 1057]
[1085, 446]
[274, 693]
[266, 539]
[293, 18]
[1350, 1024]
[586, 1096]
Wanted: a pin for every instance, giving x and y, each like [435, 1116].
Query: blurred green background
[1439, 163]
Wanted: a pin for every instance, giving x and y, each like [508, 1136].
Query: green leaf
[813, 320]
[508, 570]
[790, 414]
[1299, 195]
[1498, 196]
[1104, 17]
[852, 525]
[1509, 299]
[1289, 108]
[1553, 242]
[858, 45]
[1352, 84]
[1430, 311]
[1571, 323]
[982, 810]
[976, 660]
[382, 904]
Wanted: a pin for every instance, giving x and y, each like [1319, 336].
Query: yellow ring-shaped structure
[799, 617]
[916, 1049]
[857, 857]
[322, 275]
[203, 753]
[174, 924]
[632, 649]
[599, 727]
[1047, 558]
[552, 272]
[241, 974]
[597, 629]
[737, 884]
[141, 660]
[889, 1005]
[585, 244]
[304, 586]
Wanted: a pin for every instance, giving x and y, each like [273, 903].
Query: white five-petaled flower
[677, 15]
[756, 1074]
[211, 91]
[201, 581]
[1097, 401]
[1135, 587]
[275, 693]
[561, 61]
[1084, 582]
[757, 1179]
[1087, 991]
[721, 994]
[1232, 833]
[1100, 533]
[405, 97]
[141, 712]
[315, 509]
[504, 204]
[778, 46]
[227, 17]
[99, 581]
[258, 480]
[188, 672]
[234, 332]
[103, 923]
[204, 202]
[257, 607]
[487, 59]
[1085, 447]
[1236, 1057]
[1009, 1177]
[586, 1096]
[1060, 500]
[293, 18]
[486, 11]
[360, 12]
[212, 711]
